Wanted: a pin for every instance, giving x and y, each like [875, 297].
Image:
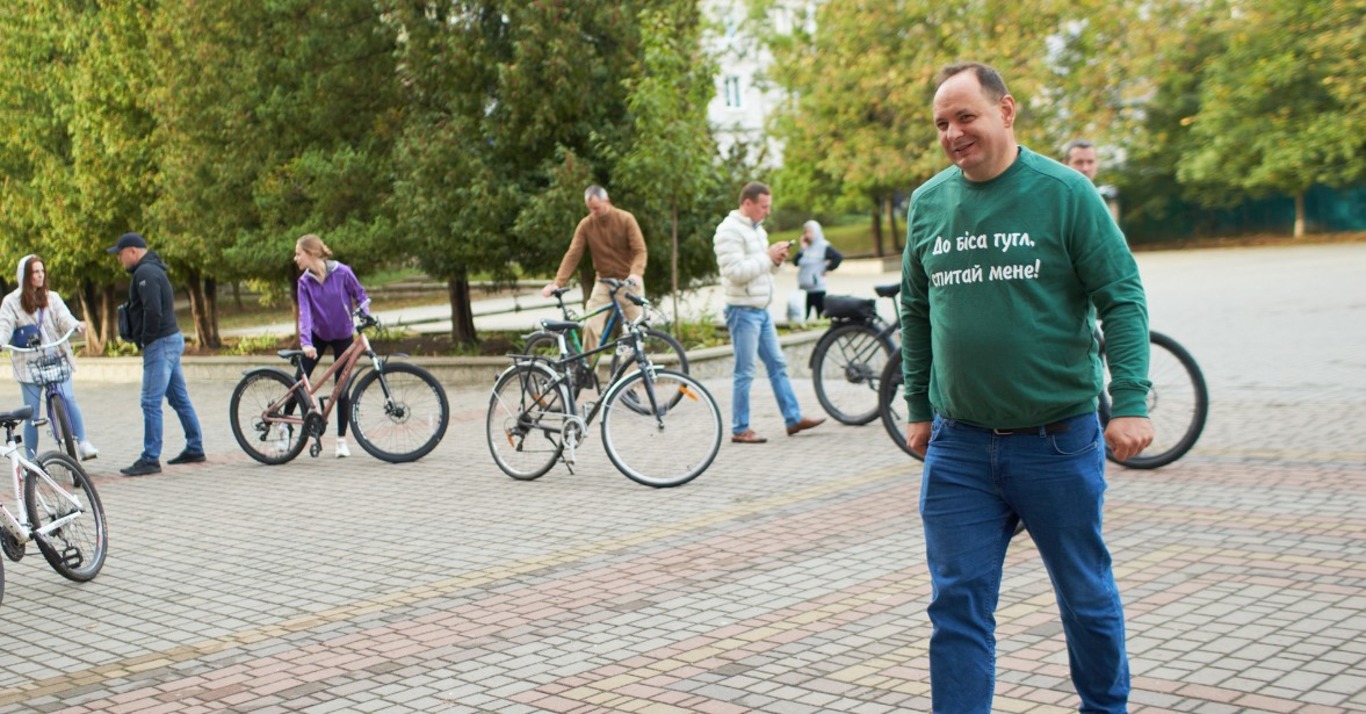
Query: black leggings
[338, 347]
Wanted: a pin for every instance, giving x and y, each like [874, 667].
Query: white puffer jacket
[742, 255]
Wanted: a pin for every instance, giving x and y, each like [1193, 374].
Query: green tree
[276, 118]
[1282, 109]
[671, 160]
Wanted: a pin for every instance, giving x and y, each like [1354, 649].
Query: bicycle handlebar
[40, 347]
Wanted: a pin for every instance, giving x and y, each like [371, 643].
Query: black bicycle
[1178, 404]
[848, 362]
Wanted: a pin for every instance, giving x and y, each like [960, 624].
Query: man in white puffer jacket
[747, 264]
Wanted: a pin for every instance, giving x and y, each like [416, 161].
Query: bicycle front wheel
[77, 548]
[1178, 404]
[526, 417]
[892, 405]
[400, 413]
[846, 368]
[270, 442]
[61, 426]
[661, 428]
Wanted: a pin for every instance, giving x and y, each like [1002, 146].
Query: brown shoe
[748, 437]
[803, 425]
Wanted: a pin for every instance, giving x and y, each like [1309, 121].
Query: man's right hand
[549, 290]
[777, 253]
[918, 436]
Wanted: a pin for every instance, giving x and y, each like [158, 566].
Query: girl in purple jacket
[328, 293]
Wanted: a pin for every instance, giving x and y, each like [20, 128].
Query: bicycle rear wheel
[270, 442]
[77, 549]
[1178, 404]
[61, 426]
[892, 405]
[846, 368]
[661, 428]
[399, 414]
[526, 417]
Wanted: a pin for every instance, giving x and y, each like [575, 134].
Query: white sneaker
[343, 450]
[87, 450]
[279, 438]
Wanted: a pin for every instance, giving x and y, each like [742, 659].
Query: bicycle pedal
[72, 557]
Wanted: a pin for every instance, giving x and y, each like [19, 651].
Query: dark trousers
[337, 347]
[815, 300]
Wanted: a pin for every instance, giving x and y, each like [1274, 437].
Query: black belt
[1057, 427]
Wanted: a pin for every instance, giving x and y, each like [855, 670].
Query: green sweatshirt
[998, 283]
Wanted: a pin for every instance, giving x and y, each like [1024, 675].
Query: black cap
[127, 240]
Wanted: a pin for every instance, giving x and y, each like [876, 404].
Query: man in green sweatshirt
[1006, 253]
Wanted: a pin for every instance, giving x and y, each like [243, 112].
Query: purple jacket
[325, 307]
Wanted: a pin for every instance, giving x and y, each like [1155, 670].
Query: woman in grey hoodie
[816, 258]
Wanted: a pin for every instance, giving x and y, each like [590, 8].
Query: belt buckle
[1003, 432]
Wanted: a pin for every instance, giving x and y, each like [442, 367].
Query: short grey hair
[595, 191]
[1075, 144]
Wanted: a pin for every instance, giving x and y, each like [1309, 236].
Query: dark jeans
[337, 347]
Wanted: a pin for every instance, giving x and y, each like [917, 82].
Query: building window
[732, 85]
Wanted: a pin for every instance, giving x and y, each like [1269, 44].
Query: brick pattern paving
[788, 578]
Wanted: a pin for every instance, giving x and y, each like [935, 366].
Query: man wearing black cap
[151, 309]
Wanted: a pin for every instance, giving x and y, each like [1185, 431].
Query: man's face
[128, 257]
[975, 132]
[598, 207]
[1084, 160]
[757, 210]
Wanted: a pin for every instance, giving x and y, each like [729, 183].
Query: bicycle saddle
[290, 354]
[12, 419]
[559, 325]
[887, 290]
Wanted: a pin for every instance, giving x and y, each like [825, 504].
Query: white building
[744, 99]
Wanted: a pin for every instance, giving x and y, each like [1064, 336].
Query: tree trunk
[462, 312]
[205, 330]
[877, 230]
[673, 266]
[1299, 214]
[97, 331]
[891, 221]
[237, 295]
[211, 307]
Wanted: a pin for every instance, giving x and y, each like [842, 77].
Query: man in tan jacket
[617, 247]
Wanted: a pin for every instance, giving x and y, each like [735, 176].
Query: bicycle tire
[846, 368]
[412, 415]
[61, 426]
[524, 427]
[892, 406]
[247, 414]
[1178, 404]
[78, 549]
[669, 435]
[2, 581]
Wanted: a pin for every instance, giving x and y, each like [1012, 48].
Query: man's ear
[1007, 107]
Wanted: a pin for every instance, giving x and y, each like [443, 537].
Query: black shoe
[188, 457]
[142, 467]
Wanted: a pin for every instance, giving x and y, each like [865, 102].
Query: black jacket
[151, 301]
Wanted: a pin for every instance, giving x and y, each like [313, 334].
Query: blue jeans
[163, 378]
[975, 488]
[33, 396]
[752, 334]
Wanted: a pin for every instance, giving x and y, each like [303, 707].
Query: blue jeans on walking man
[976, 486]
[752, 334]
[162, 377]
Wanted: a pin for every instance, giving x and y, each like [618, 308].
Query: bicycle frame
[51, 391]
[21, 530]
[307, 390]
[618, 316]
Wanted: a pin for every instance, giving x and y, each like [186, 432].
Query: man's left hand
[1127, 437]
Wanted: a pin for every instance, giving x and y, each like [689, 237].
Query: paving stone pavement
[788, 578]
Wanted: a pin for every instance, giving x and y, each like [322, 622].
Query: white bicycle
[66, 523]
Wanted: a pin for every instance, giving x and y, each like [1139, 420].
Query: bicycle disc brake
[14, 550]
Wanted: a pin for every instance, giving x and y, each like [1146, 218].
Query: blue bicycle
[49, 368]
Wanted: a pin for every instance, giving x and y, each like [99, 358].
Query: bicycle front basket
[847, 307]
[49, 368]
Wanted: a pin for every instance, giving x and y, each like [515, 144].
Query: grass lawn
[853, 237]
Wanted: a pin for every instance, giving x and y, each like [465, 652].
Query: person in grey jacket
[816, 258]
[747, 263]
[151, 306]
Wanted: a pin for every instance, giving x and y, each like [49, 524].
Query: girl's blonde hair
[313, 245]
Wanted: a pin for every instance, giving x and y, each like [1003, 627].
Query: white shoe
[279, 438]
[343, 450]
[87, 450]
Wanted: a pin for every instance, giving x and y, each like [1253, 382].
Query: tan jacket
[615, 243]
